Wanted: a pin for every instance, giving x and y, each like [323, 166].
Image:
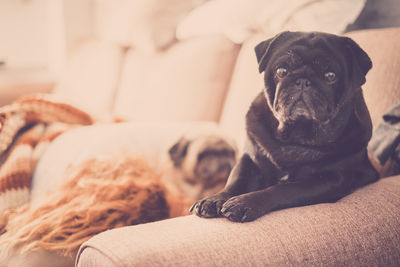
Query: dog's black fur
[307, 131]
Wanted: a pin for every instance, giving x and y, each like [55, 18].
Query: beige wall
[22, 33]
[36, 34]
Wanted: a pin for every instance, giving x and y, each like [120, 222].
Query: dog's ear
[360, 62]
[264, 49]
[178, 151]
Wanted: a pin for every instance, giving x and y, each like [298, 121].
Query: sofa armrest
[362, 229]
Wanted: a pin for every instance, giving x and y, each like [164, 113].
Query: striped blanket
[27, 127]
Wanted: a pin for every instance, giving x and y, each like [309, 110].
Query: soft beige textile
[91, 77]
[382, 89]
[143, 24]
[186, 82]
[246, 83]
[239, 19]
[362, 229]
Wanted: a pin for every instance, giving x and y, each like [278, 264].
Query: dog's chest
[284, 156]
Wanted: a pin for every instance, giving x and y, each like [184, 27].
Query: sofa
[158, 68]
[362, 229]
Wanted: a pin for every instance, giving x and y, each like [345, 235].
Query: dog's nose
[303, 83]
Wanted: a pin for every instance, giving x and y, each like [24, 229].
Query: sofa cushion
[144, 24]
[186, 82]
[382, 89]
[91, 77]
[362, 229]
[245, 84]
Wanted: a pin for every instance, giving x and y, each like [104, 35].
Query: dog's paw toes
[204, 208]
[237, 211]
[208, 207]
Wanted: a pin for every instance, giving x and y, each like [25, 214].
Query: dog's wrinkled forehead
[299, 49]
[310, 44]
[297, 56]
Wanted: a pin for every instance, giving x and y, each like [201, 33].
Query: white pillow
[239, 19]
[91, 77]
[186, 82]
[144, 24]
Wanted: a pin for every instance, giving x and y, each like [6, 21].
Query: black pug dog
[307, 131]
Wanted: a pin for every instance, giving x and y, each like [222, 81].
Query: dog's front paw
[241, 209]
[210, 207]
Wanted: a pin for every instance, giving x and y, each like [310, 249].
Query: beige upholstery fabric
[360, 230]
[382, 89]
[239, 19]
[143, 24]
[186, 82]
[245, 84]
[91, 77]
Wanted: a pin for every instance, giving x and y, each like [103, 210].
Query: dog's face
[205, 161]
[309, 77]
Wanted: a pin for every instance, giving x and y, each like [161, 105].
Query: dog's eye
[281, 72]
[330, 76]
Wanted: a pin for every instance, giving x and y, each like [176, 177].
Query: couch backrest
[135, 68]
[187, 81]
[382, 89]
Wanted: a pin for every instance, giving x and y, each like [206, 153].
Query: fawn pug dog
[307, 130]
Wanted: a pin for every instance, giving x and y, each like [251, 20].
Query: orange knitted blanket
[27, 127]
